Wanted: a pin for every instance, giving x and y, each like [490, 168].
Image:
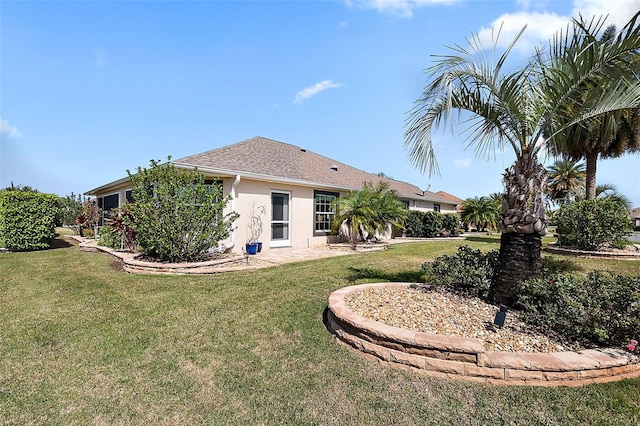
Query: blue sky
[89, 89]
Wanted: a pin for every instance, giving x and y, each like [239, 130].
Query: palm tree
[371, 209]
[517, 109]
[610, 191]
[609, 135]
[566, 181]
[483, 212]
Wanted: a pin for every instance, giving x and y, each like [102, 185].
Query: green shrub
[432, 224]
[593, 224]
[450, 225]
[176, 216]
[27, 219]
[413, 224]
[109, 237]
[602, 308]
[468, 271]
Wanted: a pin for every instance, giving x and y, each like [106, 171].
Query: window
[324, 211]
[107, 203]
[128, 195]
[405, 203]
[436, 207]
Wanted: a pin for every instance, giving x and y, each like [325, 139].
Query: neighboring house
[296, 186]
[635, 216]
[459, 201]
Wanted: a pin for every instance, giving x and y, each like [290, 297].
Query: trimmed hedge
[431, 224]
[27, 219]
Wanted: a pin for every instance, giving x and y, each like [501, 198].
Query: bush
[413, 224]
[432, 224]
[450, 225]
[109, 237]
[593, 224]
[468, 271]
[176, 216]
[602, 308]
[27, 219]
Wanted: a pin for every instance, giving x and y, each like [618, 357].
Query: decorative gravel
[439, 312]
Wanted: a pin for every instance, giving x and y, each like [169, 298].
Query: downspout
[233, 209]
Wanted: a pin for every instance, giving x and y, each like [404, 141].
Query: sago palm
[516, 109]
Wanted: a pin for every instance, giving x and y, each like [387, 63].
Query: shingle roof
[273, 160]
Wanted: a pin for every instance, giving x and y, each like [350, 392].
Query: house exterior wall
[301, 213]
[301, 210]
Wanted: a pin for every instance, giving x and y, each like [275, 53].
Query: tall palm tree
[517, 109]
[566, 181]
[609, 135]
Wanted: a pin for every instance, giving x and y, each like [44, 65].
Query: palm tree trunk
[590, 187]
[522, 223]
[519, 260]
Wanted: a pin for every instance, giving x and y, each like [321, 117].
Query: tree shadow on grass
[356, 274]
[59, 243]
[484, 240]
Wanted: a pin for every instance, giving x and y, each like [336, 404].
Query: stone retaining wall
[467, 358]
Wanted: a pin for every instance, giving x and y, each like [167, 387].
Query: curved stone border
[552, 248]
[467, 358]
[232, 262]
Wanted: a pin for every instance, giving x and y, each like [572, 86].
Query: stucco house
[295, 186]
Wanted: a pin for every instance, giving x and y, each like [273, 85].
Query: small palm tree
[371, 210]
[608, 135]
[483, 212]
[526, 109]
[566, 181]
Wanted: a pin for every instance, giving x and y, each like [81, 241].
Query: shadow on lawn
[484, 240]
[59, 243]
[367, 273]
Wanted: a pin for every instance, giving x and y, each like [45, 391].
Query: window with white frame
[324, 211]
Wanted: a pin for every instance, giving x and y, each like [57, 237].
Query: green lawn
[84, 344]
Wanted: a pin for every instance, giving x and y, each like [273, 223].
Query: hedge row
[431, 224]
[27, 219]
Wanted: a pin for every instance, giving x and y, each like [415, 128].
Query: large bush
[175, 215]
[450, 225]
[27, 219]
[593, 224]
[602, 308]
[431, 224]
[413, 226]
[468, 271]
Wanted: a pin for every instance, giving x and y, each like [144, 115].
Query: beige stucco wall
[301, 211]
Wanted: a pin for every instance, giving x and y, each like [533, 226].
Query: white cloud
[402, 8]
[8, 130]
[462, 163]
[542, 25]
[619, 11]
[310, 91]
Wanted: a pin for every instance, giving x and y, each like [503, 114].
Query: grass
[84, 344]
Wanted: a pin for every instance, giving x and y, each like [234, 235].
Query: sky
[90, 89]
